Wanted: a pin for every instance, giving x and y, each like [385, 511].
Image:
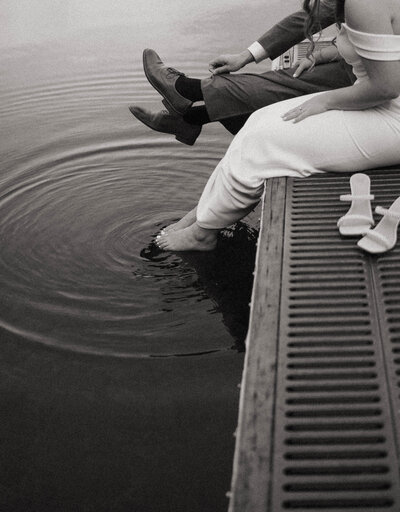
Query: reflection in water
[225, 275]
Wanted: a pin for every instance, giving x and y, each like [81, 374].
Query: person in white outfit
[346, 130]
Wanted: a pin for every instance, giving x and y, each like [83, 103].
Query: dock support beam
[251, 478]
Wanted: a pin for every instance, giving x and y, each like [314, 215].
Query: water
[119, 364]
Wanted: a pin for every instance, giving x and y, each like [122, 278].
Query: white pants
[268, 147]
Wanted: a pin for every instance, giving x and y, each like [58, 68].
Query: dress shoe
[166, 122]
[163, 79]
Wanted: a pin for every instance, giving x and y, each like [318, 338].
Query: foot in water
[192, 238]
[185, 222]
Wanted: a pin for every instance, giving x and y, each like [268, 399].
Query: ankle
[197, 115]
[189, 88]
[202, 234]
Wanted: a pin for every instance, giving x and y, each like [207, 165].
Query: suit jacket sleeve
[290, 30]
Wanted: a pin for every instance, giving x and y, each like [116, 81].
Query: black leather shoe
[166, 122]
[163, 79]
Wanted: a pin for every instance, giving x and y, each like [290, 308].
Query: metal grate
[338, 376]
[386, 276]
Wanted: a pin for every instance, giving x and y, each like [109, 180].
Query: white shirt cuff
[257, 51]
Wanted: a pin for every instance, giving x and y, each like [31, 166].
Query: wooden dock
[319, 414]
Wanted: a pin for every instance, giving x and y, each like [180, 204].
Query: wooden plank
[251, 478]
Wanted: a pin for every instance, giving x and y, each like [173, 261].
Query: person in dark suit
[232, 98]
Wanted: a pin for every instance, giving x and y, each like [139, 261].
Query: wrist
[258, 52]
[325, 100]
[245, 57]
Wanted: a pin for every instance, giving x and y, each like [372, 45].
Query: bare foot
[185, 222]
[192, 238]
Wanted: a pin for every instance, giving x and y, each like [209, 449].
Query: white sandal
[359, 218]
[384, 236]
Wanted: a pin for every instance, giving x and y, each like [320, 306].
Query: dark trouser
[232, 98]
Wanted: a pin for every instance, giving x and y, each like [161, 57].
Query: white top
[353, 44]
[374, 46]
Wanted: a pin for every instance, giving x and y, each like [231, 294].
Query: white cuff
[257, 51]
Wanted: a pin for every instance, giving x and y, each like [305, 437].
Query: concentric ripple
[83, 190]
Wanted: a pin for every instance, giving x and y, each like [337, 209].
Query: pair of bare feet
[187, 235]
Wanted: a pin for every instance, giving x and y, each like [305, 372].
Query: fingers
[295, 114]
[224, 64]
[291, 114]
[216, 64]
[296, 117]
[302, 65]
[220, 70]
[219, 66]
[309, 108]
[300, 117]
[298, 72]
[300, 68]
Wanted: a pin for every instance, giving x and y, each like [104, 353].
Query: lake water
[118, 364]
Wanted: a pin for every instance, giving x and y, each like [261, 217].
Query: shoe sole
[165, 101]
[188, 142]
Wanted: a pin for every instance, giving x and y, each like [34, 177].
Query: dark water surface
[118, 364]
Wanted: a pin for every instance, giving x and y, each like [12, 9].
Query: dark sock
[189, 88]
[234, 124]
[197, 115]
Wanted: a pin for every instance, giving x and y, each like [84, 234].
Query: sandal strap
[354, 217]
[385, 211]
[372, 233]
[350, 197]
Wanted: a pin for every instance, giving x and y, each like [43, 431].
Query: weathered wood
[252, 461]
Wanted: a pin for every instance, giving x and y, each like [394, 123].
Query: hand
[227, 63]
[312, 107]
[302, 65]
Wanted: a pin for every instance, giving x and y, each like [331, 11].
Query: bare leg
[185, 222]
[192, 238]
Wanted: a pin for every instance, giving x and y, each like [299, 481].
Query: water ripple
[81, 201]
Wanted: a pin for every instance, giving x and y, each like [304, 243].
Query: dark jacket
[290, 30]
